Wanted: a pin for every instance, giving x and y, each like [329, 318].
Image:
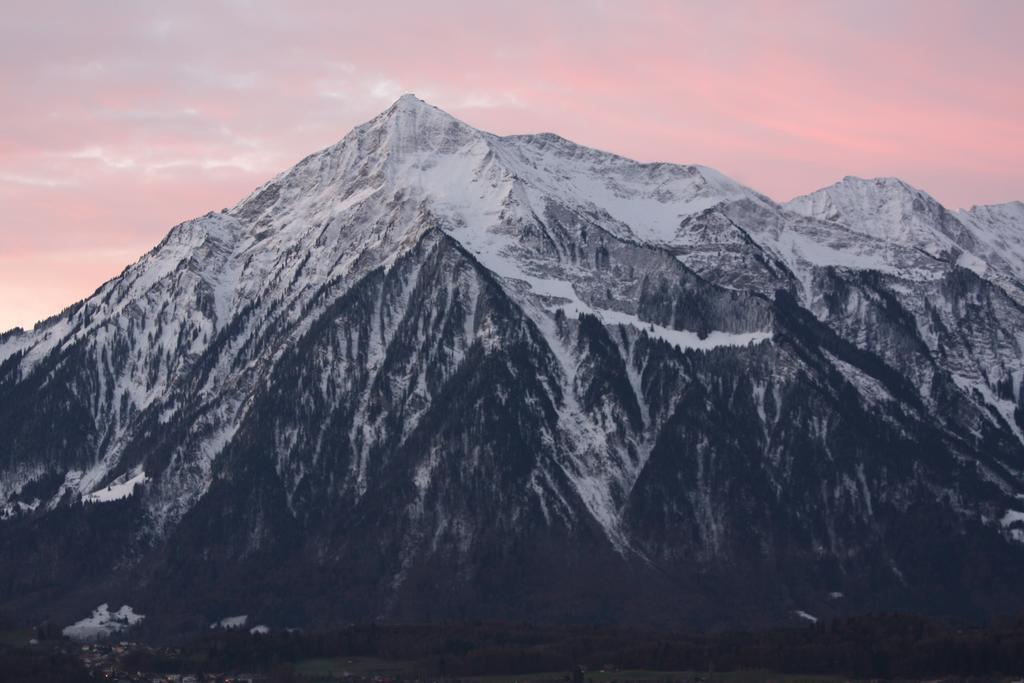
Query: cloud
[32, 181]
[98, 154]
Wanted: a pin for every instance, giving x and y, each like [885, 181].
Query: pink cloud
[118, 120]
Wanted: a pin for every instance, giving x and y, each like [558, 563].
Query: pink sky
[120, 119]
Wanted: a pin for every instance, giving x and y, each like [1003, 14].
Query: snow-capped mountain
[891, 210]
[982, 238]
[431, 371]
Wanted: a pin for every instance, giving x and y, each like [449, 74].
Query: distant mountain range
[434, 373]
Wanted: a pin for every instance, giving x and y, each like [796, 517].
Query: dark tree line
[877, 646]
[21, 665]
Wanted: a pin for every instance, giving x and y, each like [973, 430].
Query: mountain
[891, 210]
[432, 373]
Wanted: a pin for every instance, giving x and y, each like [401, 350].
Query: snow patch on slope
[1013, 522]
[231, 622]
[122, 487]
[684, 339]
[103, 623]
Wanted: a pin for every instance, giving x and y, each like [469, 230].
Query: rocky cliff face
[431, 372]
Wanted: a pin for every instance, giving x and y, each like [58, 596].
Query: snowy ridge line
[684, 339]
[491, 250]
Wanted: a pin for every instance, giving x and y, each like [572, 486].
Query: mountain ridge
[410, 103]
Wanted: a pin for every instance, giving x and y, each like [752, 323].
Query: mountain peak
[409, 103]
[890, 209]
[880, 181]
[411, 125]
[409, 107]
[882, 194]
[408, 98]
